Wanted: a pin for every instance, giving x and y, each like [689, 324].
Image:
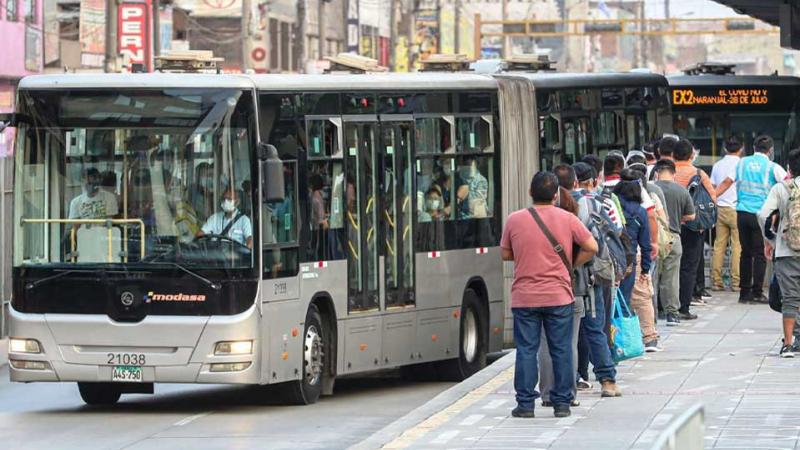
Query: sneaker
[796, 345]
[561, 410]
[697, 301]
[583, 385]
[705, 295]
[673, 320]
[652, 346]
[522, 413]
[718, 288]
[610, 389]
[760, 298]
[687, 316]
[787, 351]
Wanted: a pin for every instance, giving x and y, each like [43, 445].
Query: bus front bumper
[165, 349]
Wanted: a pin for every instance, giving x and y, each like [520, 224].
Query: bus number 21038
[129, 359]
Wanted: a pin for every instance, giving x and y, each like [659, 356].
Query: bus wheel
[99, 393]
[472, 341]
[308, 389]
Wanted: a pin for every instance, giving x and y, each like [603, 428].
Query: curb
[3, 352]
[440, 402]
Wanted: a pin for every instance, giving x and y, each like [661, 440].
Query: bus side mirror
[272, 184]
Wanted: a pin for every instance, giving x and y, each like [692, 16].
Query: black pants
[692, 242]
[752, 264]
[700, 281]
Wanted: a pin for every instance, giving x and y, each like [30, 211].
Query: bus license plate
[128, 374]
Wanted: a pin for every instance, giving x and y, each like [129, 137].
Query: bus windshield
[134, 177]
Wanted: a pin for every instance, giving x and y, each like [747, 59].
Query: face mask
[467, 172]
[228, 205]
[433, 204]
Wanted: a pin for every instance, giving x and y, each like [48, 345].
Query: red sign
[134, 32]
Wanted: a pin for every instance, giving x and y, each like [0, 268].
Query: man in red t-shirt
[541, 294]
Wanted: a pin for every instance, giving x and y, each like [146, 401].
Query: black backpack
[612, 261]
[704, 206]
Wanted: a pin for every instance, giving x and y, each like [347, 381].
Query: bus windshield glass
[135, 177]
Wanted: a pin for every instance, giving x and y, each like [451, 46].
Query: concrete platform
[727, 360]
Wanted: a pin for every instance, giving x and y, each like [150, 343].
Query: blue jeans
[557, 322]
[593, 335]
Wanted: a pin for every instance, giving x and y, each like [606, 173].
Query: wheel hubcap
[469, 345]
[312, 355]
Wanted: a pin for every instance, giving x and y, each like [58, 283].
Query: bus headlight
[229, 367]
[233, 348]
[16, 345]
[29, 365]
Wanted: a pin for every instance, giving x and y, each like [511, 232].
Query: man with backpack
[693, 232]
[592, 331]
[785, 199]
[755, 176]
[680, 209]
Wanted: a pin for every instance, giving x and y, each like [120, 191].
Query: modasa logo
[179, 297]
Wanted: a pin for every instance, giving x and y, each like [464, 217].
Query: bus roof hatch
[353, 63]
[446, 63]
[194, 61]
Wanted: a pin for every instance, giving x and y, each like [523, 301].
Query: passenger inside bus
[93, 202]
[434, 206]
[201, 195]
[473, 191]
[230, 222]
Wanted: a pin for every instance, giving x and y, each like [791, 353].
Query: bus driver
[230, 222]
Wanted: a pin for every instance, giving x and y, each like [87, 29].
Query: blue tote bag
[625, 331]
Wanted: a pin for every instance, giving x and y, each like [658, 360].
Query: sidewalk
[727, 360]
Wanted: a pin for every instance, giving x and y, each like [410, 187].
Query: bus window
[637, 131]
[607, 130]
[434, 135]
[279, 220]
[576, 140]
[435, 192]
[324, 140]
[326, 187]
[474, 134]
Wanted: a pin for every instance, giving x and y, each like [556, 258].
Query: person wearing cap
[727, 229]
[652, 156]
[595, 324]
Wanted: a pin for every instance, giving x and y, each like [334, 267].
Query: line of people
[637, 224]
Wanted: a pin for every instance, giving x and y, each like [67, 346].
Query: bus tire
[308, 388]
[99, 393]
[472, 342]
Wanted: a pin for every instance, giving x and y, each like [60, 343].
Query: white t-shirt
[725, 168]
[647, 202]
[101, 205]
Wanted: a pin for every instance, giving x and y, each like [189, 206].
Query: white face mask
[433, 204]
[228, 205]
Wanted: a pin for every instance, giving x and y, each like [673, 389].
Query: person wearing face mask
[473, 191]
[230, 222]
[93, 202]
[433, 208]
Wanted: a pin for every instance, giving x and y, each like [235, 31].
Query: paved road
[53, 416]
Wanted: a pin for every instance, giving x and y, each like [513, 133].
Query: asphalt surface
[53, 416]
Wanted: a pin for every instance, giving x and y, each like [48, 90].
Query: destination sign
[733, 98]
[722, 97]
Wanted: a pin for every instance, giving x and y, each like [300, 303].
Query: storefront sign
[134, 33]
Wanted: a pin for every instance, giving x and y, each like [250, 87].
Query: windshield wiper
[209, 283]
[33, 284]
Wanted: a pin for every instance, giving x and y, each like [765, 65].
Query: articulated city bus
[709, 107]
[139, 200]
[157, 239]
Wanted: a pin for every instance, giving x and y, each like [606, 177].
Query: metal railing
[685, 432]
[108, 223]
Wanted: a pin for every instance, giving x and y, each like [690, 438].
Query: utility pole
[111, 36]
[321, 28]
[457, 40]
[392, 33]
[300, 36]
[666, 9]
[247, 8]
[156, 28]
[506, 42]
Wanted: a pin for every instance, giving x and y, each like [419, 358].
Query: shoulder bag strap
[556, 246]
[230, 224]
